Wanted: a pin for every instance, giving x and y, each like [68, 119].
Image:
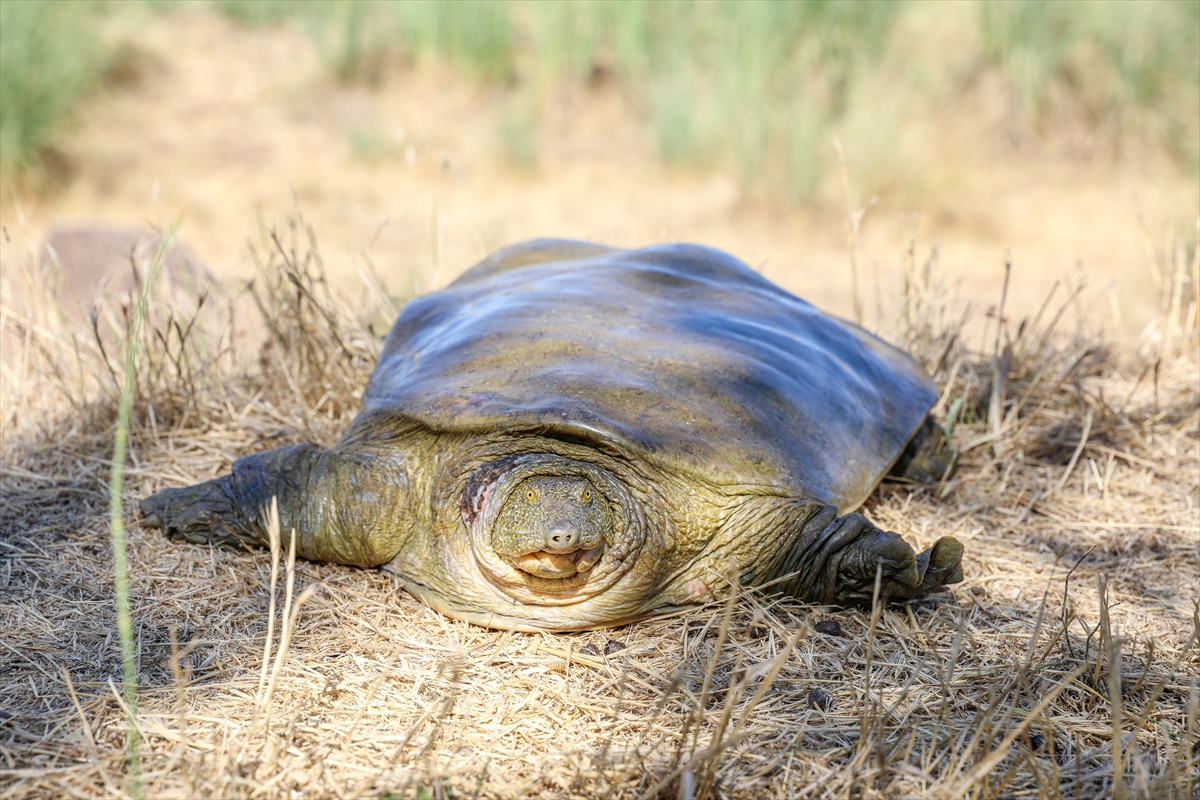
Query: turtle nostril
[560, 540]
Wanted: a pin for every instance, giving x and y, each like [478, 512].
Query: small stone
[829, 627]
[1042, 746]
[717, 691]
[819, 698]
[613, 646]
[589, 650]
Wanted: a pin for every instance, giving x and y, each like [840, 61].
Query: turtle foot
[927, 459]
[869, 554]
[928, 571]
[203, 514]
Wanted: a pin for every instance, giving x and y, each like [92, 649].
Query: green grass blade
[117, 521]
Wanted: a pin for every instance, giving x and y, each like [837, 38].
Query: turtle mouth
[557, 566]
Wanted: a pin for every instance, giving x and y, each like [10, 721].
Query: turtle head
[553, 526]
[544, 530]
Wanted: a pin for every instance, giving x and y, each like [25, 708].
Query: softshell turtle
[572, 436]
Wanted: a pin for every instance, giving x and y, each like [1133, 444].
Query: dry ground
[1064, 666]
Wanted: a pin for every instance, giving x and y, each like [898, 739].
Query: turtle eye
[531, 495]
[586, 495]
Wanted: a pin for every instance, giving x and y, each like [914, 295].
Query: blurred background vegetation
[756, 86]
[49, 57]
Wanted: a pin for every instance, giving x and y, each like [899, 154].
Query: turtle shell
[679, 354]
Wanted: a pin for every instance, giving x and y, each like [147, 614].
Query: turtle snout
[563, 539]
[565, 525]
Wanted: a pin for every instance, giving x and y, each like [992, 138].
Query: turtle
[572, 436]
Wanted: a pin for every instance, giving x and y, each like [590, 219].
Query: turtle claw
[945, 562]
[893, 557]
[939, 565]
[202, 514]
[946, 554]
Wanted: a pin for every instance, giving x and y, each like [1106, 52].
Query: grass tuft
[476, 36]
[1132, 69]
[753, 86]
[50, 55]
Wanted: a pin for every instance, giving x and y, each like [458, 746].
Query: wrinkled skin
[501, 492]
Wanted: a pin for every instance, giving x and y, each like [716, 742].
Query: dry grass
[1065, 666]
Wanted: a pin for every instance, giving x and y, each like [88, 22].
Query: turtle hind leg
[927, 458]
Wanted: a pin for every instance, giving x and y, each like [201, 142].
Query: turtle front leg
[206, 513]
[841, 557]
[232, 510]
[347, 508]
